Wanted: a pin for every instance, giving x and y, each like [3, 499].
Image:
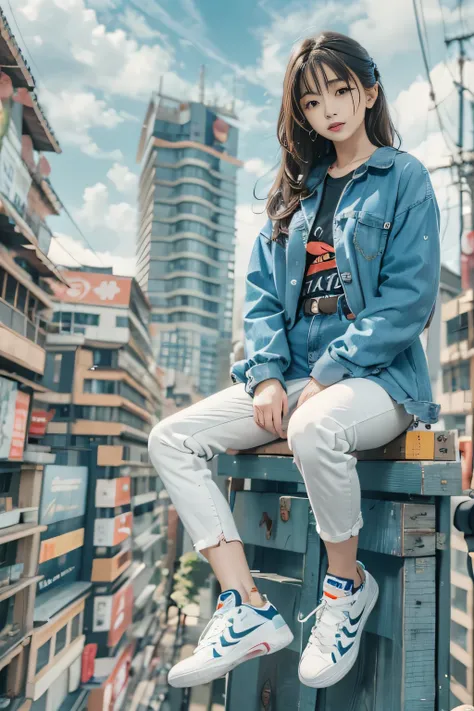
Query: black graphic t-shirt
[321, 277]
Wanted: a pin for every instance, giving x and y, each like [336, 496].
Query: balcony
[21, 340]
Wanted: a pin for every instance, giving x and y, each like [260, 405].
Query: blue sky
[97, 61]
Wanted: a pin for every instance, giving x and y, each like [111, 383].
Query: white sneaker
[334, 643]
[236, 632]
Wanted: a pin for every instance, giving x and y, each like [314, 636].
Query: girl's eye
[310, 103]
[344, 89]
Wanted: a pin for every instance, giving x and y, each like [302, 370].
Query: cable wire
[444, 132]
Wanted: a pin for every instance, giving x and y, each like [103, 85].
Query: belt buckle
[314, 307]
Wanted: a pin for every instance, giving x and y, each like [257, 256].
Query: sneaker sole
[273, 641]
[325, 680]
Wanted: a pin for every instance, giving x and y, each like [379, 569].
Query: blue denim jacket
[386, 240]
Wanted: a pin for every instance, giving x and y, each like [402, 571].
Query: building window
[457, 328]
[76, 627]
[459, 598]
[459, 561]
[121, 321]
[458, 671]
[86, 319]
[57, 367]
[459, 634]
[102, 357]
[10, 291]
[42, 658]
[61, 637]
[102, 387]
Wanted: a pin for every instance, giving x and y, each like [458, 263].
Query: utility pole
[465, 168]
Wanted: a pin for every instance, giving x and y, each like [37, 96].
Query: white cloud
[86, 54]
[257, 166]
[124, 180]
[389, 28]
[73, 114]
[137, 25]
[97, 213]
[68, 252]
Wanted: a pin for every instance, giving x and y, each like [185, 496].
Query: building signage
[113, 614]
[93, 289]
[64, 493]
[14, 406]
[39, 421]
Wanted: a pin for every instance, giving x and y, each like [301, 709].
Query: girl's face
[339, 111]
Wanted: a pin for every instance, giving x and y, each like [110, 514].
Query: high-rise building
[186, 238]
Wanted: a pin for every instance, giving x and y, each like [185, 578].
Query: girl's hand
[312, 388]
[270, 402]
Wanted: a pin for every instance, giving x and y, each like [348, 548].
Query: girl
[341, 283]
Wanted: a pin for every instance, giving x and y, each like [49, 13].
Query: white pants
[355, 414]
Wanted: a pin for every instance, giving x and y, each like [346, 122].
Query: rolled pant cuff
[341, 536]
[213, 541]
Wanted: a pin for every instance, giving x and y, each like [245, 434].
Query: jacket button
[386, 225]
[347, 277]
[293, 282]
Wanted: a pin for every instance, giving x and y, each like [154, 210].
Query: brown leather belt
[322, 305]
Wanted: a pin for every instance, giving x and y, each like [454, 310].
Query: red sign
[39, 421]
[113, 613]
[122, 612]
[19, 425]
[91, 288]
[111, 693]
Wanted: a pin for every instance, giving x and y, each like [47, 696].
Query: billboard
[93, 289]
[14, 406]
[64, 493]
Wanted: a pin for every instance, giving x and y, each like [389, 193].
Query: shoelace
[323, 631]
[214, 628]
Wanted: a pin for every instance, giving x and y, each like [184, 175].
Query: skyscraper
[186, 237]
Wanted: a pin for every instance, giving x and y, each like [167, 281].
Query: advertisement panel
[113, 614]
[39, 421]
[93, 289]
[20, 422]
[64, 493]
[14, 407]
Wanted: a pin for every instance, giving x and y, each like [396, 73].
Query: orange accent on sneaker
[333, 597]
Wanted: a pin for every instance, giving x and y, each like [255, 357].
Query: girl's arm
[266, 346]
[409, 282]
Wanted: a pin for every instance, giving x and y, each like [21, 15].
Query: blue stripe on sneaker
[240, 635]
[357, 619]
[268, 614]
[216, 654]
[344, 650]
[349, 634]
[225, 643]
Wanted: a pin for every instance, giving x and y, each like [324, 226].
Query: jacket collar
[383, 158]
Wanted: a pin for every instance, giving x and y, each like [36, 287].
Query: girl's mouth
[336, 127]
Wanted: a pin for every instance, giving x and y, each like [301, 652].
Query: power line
[79, 230]
[56, 241]
[444, 132]
[32, 59]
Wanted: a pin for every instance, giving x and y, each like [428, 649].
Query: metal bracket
[441, 541]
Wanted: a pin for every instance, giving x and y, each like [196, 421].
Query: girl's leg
[355, 414]
[180, 447]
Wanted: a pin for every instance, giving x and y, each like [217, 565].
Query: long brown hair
[301, 147]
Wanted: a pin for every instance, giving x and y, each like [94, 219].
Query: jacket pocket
[370, 234]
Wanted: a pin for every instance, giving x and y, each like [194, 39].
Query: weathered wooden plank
[409, 477]
[398, 528]
[259, 522]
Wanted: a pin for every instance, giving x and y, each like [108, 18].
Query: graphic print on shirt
[321, 277]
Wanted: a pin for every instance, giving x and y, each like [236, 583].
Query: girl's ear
[371, 95]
